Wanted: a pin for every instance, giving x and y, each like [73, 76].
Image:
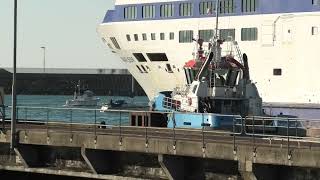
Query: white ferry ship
[155, 39]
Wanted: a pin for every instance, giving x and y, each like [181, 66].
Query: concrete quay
[156, 153]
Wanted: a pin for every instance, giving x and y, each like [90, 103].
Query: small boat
[104, 108]
[86, 99]
[117, 103]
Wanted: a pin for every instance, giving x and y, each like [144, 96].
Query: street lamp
[14, 95]
[44, 58]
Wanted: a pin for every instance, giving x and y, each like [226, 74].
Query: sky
[67, 28]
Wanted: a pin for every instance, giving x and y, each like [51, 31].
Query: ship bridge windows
[139, 57]
[162, 36]
[115, 42]
[144, 69]
[128, 37]
[136, 38]
[277, 72]
[153, 36]
[144, 36]
[166, 10]
[315, 2]
[206, 35]
[157, 56]
[186, 9]
[227, 34]
[148, 11]
[314, 30]
[185, 36]
[169, 69]
[249, 5]
[207, 8]
[171, 36]
[130, 12]
[227, 6]
[249, 34]
[139, 69]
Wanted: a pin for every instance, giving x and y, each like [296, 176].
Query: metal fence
[287, 130]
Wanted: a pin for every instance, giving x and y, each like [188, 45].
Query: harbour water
[51, 108]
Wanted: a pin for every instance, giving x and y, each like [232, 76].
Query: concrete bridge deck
[176, 150]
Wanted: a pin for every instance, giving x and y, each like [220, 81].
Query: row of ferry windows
[187, 9]
[152, 36]
[187, 36]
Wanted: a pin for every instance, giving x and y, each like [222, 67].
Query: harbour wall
[58, 82]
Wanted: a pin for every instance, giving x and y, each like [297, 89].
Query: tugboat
[86, 99]
[218, 89]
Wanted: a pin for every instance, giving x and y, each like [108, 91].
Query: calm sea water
[51, 108]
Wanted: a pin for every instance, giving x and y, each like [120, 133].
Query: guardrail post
[146, 129]
[296, 127]
[17, 110]
[95, 126]
[264, 126]
[25, 123]
[234, 134]
[71, 135]
[203, 140]
[244, 125]
[120, 130]
[47, 124]
[288, 143]
[3, 117]
[174, 133]
[254, 137]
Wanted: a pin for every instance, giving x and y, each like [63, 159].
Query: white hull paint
[284, 42]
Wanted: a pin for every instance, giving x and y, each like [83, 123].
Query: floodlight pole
[14, 95]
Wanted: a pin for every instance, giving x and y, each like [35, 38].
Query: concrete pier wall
[106, 156]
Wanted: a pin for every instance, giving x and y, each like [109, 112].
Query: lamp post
[14, 95]
[44, 58]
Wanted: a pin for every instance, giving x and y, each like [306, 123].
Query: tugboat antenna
[217, 19]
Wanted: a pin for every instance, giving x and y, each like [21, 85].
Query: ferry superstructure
[154, 38]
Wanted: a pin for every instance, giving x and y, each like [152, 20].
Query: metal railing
[286, 131]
